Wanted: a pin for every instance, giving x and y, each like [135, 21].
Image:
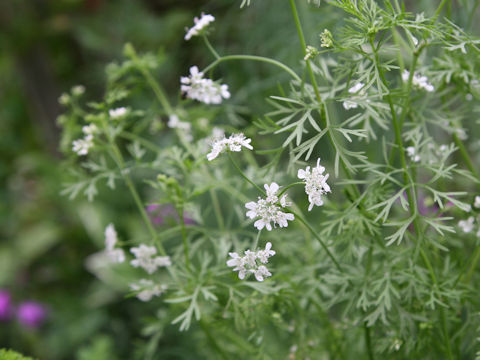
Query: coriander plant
[341, 222]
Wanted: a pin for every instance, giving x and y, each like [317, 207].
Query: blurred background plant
[53, 307]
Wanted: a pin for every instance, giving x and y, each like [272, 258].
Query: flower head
[6, 307]
[249, 263]
[200, 24]
[117, 113]
[82, 146]
[114, 255]
[147, 289]
[477, 202]
[269, 209]
[418, 81]
[233, 143]
[467, 225]
[315, 184]
[204, 90]
[357, 88]
[412, 153]
[144, 258]
[326, 38]
[31, 314]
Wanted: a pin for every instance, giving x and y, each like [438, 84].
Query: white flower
[203, 90]
[268, 210]
[117, 113]
[248, 263]
[114, 255]
[263, 255]
[233, 143]
[418, 81]
[82, 146]
[351, 104]
[412, 153]
[466, 225]
[200, 24]
[91, 129]
[147, 289]
[144, 258]
[477, 202]
[315, 184]
[174, 122]
[261, 273]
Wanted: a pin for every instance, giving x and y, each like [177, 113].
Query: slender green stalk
[243, 174]
[315, 235]
[412, 203]
[368, 341]
[465, 156]
[184, 234]
[439, 9]
[210, 47]
[253, 58]
[284, 190]
[255, 245]
[213, 341]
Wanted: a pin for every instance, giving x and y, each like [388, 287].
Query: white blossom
[351, 104]
[418, 81]
[82, 146]
[174, 122]
[412, 153]
[147, 289]
[144, 258]
[233, 143]
[200, 24]
[91, 129]
[248, 263]
[268, 210]
[477, 202]
[204, 90]
[117, 113]
[466, 225]
[115, 255]
[315, 184]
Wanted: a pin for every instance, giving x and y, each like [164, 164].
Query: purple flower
[31, 314]
[160, 213]
[6, 308]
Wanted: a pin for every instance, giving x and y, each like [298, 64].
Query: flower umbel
[315, 184]
[204, 90]
[144, 258]
[233, 143]
[268, 209]
[351, 104]
[147, 289]
[115, 255]
[248, 263]
[418, 81]
[200, 24]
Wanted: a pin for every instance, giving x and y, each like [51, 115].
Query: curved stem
[243, 174]
[315, 235]
[210, 47]
[253, 58]
[290, 186]
[255, 245]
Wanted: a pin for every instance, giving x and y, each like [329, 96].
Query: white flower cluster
[82, 146]
[268, 210]
[174, 122]
[249, 263]
[469, 225]
[233, 143]
[144, 258]
[477, 202]
[204, 90]
[315, 184]
[352, 104]
[418, 81]
[412, 153]
[200, 24]
[147, 289]
[115, 255]
[117, 113]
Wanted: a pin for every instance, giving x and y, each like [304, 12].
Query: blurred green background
[48, 46]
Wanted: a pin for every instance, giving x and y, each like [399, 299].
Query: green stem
[253, 58]
[315, 235]
[243, 174]
[184, 233]
[290, 186]
[465, 156]
[210, 47]
[411, 195]
[439, 10]
[368, 341]
[255, 245]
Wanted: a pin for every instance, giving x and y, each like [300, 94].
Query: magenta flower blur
[31, 314]
[160, 213]
[6, 308]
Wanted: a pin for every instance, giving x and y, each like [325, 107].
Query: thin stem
[184, 233]
[368, 341]
[314, 233]
[255, 245]
[210, 47]
[411, 201]
[290, 186]
[243, 174]
[439, 9]
[465, 156]
[253, 58]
